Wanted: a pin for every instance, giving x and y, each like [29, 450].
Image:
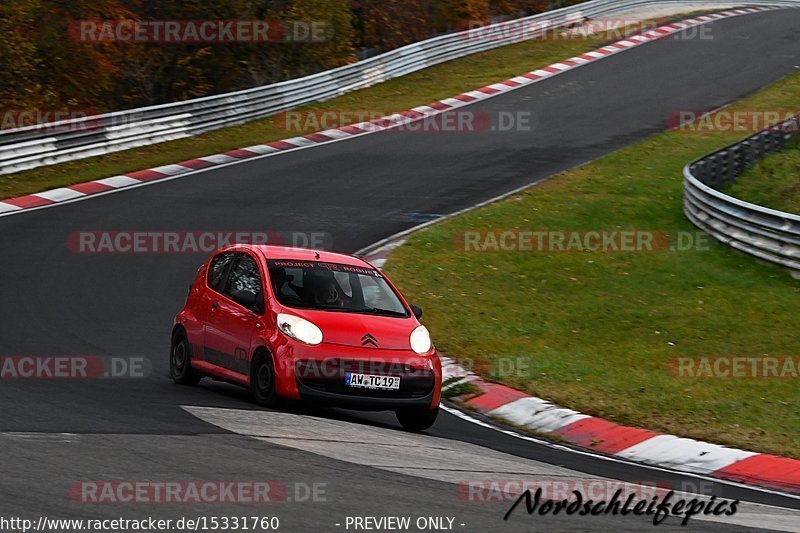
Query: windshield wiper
[331, 308]
[390, 312]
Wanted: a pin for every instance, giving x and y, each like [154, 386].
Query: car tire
[417, 419]
[180, 361]
[262, 380]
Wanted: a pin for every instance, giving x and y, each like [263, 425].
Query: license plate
[370, 381]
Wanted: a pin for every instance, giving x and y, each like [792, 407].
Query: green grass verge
[597, 331]
[436, 83]
[460, 390]
[773, 182]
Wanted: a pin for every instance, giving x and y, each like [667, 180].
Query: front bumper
[317, 374]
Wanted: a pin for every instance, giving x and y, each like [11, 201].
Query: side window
[244, 278]
[216, 271]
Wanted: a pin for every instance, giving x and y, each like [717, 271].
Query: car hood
[360, 330]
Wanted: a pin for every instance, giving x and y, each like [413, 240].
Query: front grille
[329, 376]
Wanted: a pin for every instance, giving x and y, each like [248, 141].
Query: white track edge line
[549, 444]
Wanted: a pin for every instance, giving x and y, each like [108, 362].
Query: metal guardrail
[768, 234]
[47, 144]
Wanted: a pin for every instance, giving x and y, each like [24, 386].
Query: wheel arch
[179, 328]
[257, 351]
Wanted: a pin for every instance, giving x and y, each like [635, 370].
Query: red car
[292, 323]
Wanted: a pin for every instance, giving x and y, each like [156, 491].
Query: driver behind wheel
[326, 292]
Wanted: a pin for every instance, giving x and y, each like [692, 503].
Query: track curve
[59, 303]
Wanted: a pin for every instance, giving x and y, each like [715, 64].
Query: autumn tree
[19, 57]
[517, 8]
[389, 24]
[78, 73]
[320, 35]
[164, 72]
[45, 65]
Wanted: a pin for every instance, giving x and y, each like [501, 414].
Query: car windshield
[333, 287]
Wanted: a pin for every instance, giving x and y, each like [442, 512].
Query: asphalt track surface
[56, 302]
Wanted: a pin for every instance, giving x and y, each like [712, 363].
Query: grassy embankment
[773, 182]
[598, 332]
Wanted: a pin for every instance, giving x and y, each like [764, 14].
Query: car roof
[307, 254]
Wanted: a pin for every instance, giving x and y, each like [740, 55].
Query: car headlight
[299, 329]
[421, 340]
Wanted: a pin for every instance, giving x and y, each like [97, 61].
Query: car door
[216, 277]
[230, 326]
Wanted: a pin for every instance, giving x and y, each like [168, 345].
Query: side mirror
[417, 310]
[244, 298]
